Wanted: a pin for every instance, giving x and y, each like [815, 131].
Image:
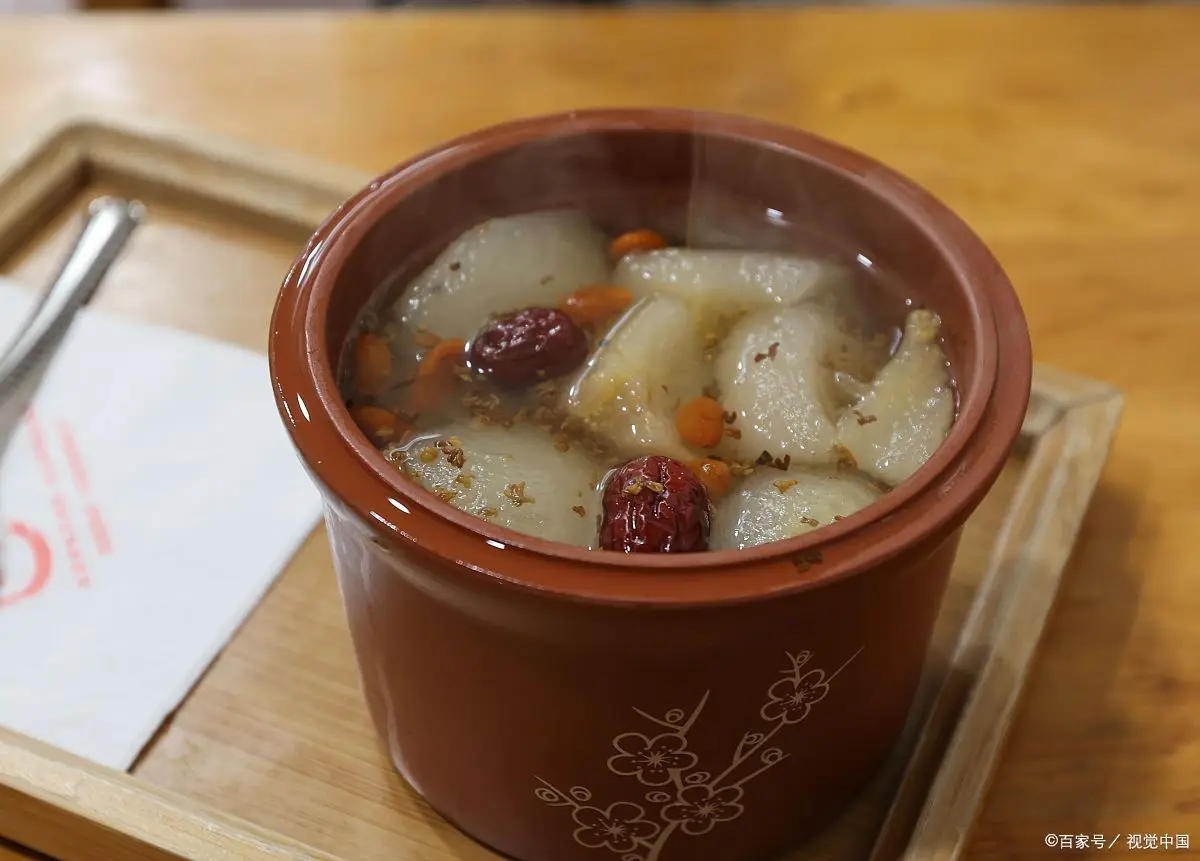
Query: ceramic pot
[560, 704]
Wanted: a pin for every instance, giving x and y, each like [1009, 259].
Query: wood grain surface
[11, 852]
[1068, 137]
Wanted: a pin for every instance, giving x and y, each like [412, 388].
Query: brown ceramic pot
[566, 705]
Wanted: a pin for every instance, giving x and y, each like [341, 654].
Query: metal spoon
[24, 362]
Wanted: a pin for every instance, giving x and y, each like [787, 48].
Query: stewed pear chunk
[513, 477]
[774, 374]
[771, 505]
[908, 409]
[647, 364]
[501, 266]
[730, 280]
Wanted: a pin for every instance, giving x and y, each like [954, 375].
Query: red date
[655, 505]
[528, 346]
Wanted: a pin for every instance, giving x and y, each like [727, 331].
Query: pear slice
[726, 281]
[504, 265]
[647, 364]
[908, 409]
[773, 372]
[513, 477]
[770, 505]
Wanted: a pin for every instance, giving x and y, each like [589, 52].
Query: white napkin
[150, 498]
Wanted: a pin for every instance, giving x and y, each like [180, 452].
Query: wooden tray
[272, 752]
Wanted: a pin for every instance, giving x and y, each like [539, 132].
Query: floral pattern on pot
[687, 798]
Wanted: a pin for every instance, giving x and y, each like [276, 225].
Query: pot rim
[936, 499]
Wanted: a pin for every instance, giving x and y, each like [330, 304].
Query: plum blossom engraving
[620, 827]
[691, 800]
[699, 808]
[789, 700]
[651, 760]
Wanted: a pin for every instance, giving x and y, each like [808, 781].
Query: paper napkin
[147, 501]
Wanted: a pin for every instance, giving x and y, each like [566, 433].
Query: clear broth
[867, 303]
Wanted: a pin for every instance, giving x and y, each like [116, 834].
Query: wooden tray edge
[72, 139]
[63, 806]
[68, 808]
[1073, 421]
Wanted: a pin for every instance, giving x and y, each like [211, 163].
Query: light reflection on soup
[617, 393]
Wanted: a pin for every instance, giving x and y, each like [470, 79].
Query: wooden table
[1069, 138]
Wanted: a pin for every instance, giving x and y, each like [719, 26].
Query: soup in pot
[633, 394]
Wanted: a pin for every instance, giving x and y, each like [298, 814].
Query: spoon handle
[24, 363]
